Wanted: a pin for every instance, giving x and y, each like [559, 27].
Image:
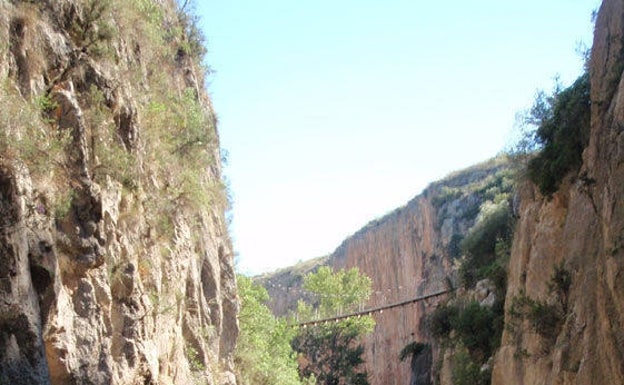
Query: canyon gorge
[116, 265]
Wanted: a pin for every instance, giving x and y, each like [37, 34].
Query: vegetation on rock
[108, 131]
[471, 329]
[557, 130]
[487, 244]
[471, 325]
[466, 372]
[545, 316]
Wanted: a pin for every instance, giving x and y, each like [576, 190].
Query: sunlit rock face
[108, 275]
[581, 227]
[409, 252]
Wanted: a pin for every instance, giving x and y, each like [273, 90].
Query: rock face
[582, 229]
[404, 255]
[115, 263]
[410, 252]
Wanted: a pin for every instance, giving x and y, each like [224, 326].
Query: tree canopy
[330, 352]
[263, 355]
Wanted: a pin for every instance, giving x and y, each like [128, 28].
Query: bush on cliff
[487, 244]
[562, 123]
[473, 325]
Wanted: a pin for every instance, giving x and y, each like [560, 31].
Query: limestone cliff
[581, 229]
[115, 262]
[411, 251]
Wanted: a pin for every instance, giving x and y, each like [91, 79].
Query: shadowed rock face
[581, 227]
[407, 253]
[421, 368]
[22, 354]
[93, 289]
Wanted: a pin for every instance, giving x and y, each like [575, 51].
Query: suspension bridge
[374, 310]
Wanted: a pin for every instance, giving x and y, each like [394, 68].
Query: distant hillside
[285, 285]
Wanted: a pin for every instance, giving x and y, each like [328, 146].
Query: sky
[334, 113]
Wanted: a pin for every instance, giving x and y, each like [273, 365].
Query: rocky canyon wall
[115, 262]
[412, 251]
[581, 228]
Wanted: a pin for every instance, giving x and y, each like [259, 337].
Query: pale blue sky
[336, 112]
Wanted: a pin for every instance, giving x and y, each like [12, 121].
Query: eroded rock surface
[114, 269]
[581, 228]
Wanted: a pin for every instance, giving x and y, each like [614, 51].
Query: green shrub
[46, 104]
[193, 39]
[180, 147]
[446, 195]
[90, 30]
[559, 284]
[194, 360]
[151, 12]
[63, 204]
[480, 244]
[454, 246]
[562, 121]
[467, 372]
[441, 320]
[475, 327]
[110, 155]
[545, 318]
[29, 136]
[470, 211]
[332, 351]
[497, 274]
[493, 225]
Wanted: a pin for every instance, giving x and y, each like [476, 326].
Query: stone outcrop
[110, 271]
[581, 228]
[411, 251]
